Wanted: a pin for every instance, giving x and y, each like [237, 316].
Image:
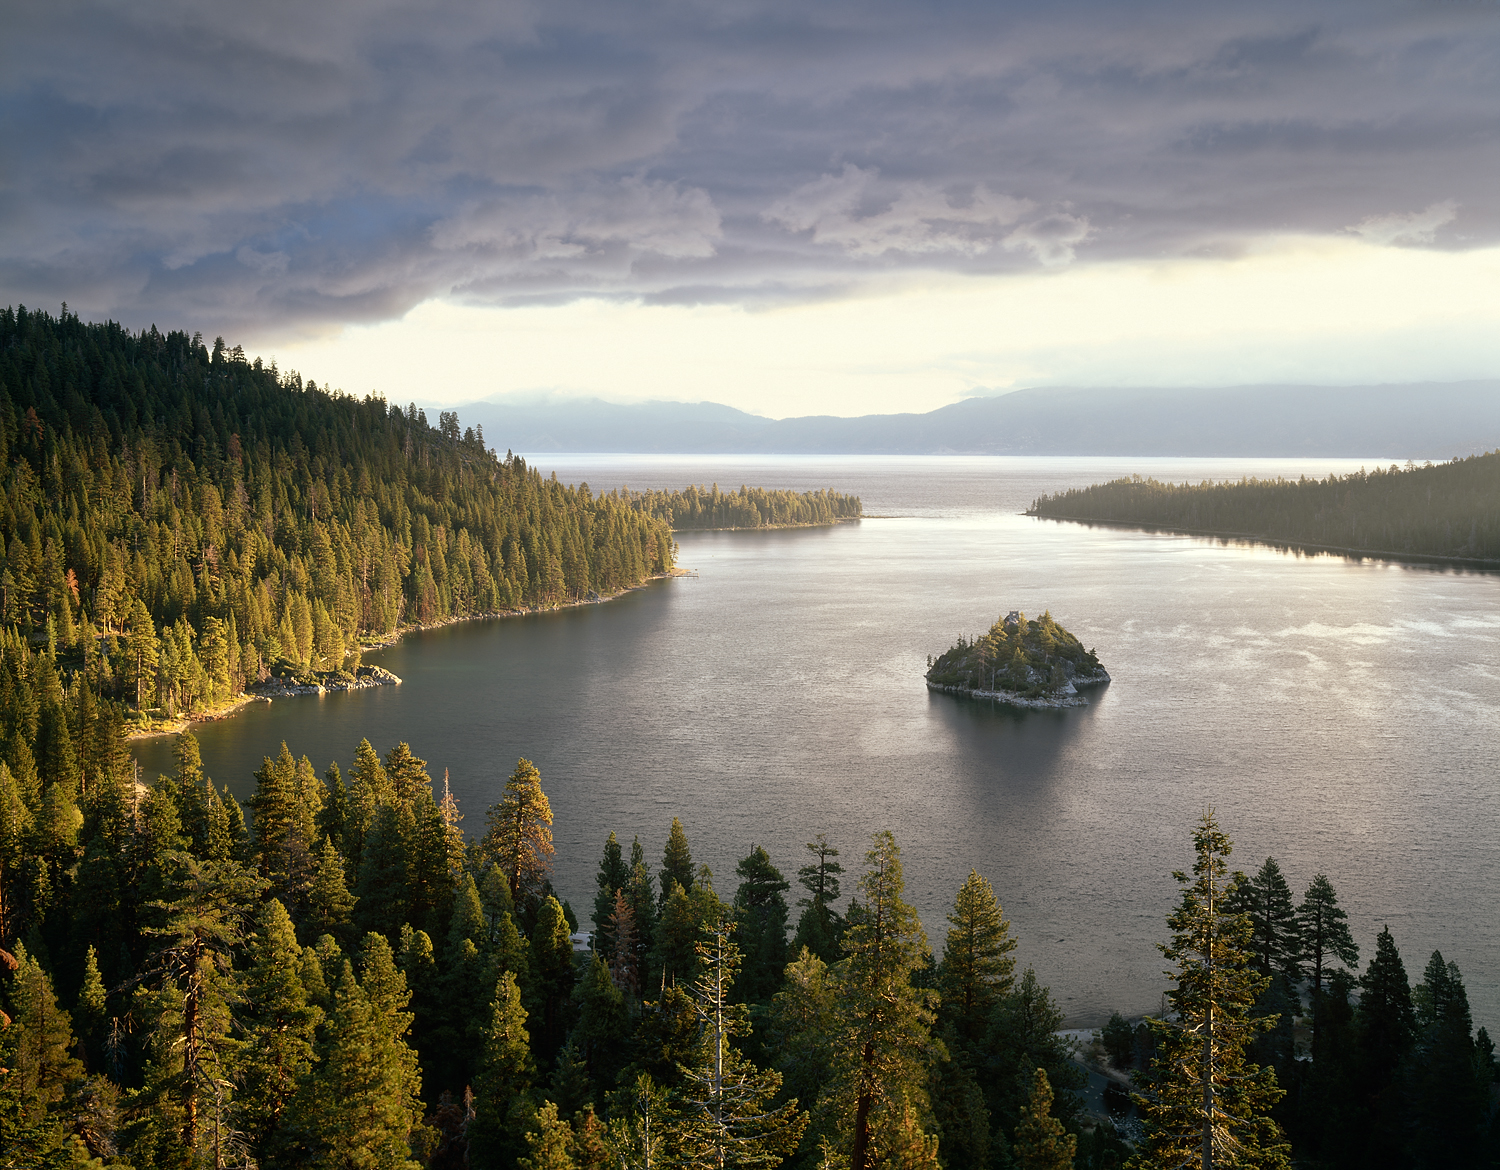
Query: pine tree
[726, 1116]
[1324, 929]
[1387, 1023]
[41, 1070]
[354, 1112]
[380, 893]
[820, 926]
[612, 877]
[603, 1025]
[519, 837]
[279, 1027]
[977, 969]
[91, 1016]
[330, 903]
[882, 1046]
[549, 1142]
[503, 1086]
[1449, 1090]
[760, 920]
[202, 925]
[676, 862]
[551, 946]
[1274, 925]
[800, 1024]
[17, 865]
[141, 654]
[1041, 1142]
[624, 954]
[1204, 1103]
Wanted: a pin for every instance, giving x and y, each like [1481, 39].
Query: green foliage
[1275, 926]
[229, 521]
[702, 508]
[977, 970]
[882, 1044]
[760, 914]
[1041, 1142]
[1202, 1098]
[519, 839]
[1449, 510]
[1028, 658]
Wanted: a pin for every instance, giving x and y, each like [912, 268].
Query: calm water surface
[1340, 715]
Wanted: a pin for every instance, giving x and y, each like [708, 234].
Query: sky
[793, 208]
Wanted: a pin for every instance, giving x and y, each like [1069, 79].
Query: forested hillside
[179, 522]
[347, 981]
[1440, 510]
[697, 507]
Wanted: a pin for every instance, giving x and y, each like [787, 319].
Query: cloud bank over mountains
[280, 166]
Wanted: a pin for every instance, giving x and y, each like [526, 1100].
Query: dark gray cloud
[262, 165]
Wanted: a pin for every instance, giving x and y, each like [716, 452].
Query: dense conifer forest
[179, 522]
[347, 979]
[697, 507]
[1437, 510]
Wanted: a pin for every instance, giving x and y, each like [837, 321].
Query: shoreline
[181, 723]
[1064, 700]
[781, 527]
[1373, 554]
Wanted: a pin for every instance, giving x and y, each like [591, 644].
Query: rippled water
[1340, 715]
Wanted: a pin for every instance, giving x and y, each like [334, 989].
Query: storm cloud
[276, 166]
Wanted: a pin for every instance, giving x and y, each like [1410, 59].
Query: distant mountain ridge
[1430, 420]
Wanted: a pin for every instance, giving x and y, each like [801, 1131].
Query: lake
[1340, 715]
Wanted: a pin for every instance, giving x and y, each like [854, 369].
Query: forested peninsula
[349, 980]
[180, 523]
[708, 508]
[1026, 663]
[1445, 510]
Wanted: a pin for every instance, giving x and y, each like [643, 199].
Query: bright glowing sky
[844, 207]
[1297, 310]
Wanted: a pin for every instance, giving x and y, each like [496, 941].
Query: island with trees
[1025, 663]
[1445, 511]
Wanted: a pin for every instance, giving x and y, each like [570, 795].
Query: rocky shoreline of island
[1067, 696]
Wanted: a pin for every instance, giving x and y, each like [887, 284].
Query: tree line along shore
[1445, 510]
[345, 978]
[179, 524]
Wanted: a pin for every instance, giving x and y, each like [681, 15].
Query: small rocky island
[1023, 663]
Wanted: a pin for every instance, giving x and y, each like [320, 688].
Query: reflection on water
[1340, 715]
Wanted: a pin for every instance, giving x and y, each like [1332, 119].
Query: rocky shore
[1066, 696]
[327, 682]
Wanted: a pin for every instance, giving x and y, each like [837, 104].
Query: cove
[1339, 714]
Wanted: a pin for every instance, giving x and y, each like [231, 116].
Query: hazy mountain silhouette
[1434, 420]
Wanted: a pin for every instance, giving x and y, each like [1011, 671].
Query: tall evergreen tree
[503, 1088]
[882, 1047]
[726, 1116]
[519, 838]
[1204, 1103]
[1275, 930]
[1448, 1090]
[330, 904]
[612, 877]
[1324, 929]
[1041, 1141]
[977, 969]
[200, 927]
[819, 926]
[279, 1027]
[676, 862]
[760, 914]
